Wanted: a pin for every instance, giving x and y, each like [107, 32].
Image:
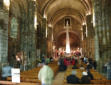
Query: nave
[32, 31]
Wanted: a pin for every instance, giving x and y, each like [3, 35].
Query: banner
[15, 75]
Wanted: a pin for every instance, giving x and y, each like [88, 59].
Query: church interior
[36, 31]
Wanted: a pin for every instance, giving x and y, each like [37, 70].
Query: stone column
[90, 34]
[44, 38]
[28, 40]
[84, 40]
[107, 25]
[4, 19]
[102, 31]
[97, 24]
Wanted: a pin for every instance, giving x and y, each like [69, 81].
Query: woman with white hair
[73, 79]
[85, 79]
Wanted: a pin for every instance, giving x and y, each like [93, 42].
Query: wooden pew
[87, 84]
[32, 75]
[7, 83]
[21, 83]
[101, 81]
[24, 83]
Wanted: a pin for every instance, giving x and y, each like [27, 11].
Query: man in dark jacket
[72, 79]
[85, 79]
[90, 74]
[89, 66]
[94, 64]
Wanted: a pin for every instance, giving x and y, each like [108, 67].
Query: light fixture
[33, 0]
[88, 13]
[94, 19]
[49, 25]
[84, 23]
[35, 21]
[6, 4]
[46, 32]
[45, 16]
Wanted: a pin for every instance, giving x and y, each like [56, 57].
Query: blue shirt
[6, 71]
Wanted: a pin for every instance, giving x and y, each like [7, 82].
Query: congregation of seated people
[86, 75]
[85, 79]
[64, 62]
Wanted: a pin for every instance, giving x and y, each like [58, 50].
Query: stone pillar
[89, 33]
[102, 31]
[28, 40]
[84, 41]
[107, 25]
[38, 40]
[43, 38]
[97, 27]
[4, 19]
[50, 41]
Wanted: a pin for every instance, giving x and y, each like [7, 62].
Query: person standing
[108, 66]
[6, 71]
[46, 75]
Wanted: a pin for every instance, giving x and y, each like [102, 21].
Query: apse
[73, 38]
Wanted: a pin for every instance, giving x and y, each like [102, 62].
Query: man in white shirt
[46, 75]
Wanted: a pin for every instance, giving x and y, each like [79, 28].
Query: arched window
[67, 21]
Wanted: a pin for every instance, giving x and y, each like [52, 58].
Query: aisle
[59, 79]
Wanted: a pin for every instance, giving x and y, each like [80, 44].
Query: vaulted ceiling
[55, 11]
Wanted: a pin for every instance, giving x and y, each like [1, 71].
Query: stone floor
[59, 79]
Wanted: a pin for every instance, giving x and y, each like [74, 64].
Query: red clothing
[67, 62]
[73, 62]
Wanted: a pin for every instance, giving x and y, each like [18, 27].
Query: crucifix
[67, 38]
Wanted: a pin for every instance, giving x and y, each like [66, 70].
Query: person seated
[108, 68]
[73, 61]
[47, 60]
[94, 64]
[82, 67]
[6, 71]
[61, 61]
[67, 61]
[90, 74]
[90, 61]
[85, 60]
[89, 66]
[72, 79]
[74, 67]
[85, 79]
[82, 59]
[62, 67]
